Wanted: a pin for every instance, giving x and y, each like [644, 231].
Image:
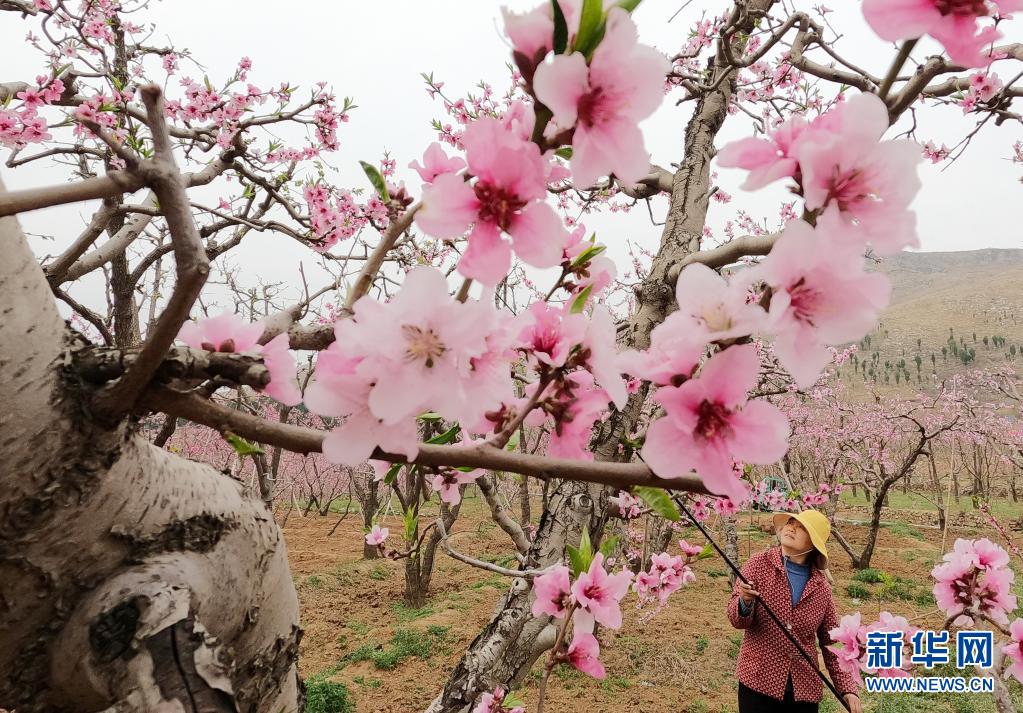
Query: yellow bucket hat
[816, 524]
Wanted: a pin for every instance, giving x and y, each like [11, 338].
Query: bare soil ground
[681, 659]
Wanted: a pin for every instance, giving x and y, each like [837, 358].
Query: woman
[773, 675]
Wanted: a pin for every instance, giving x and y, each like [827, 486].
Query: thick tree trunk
[370, 506]
[503, 653]
[863, 561]
[129, 577]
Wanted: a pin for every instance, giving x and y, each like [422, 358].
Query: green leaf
[707, 551]
[430, 416]
[659, 501]
[560, 29]
[579, 303]
[591, 27]
[392, 474]
[581, 558]
[241, 446]
[411, 521]
[608, 546]
[447, 437]
[377, 180]
[514, 700]
[629, 5]
[513, 442]
[564, 152]
[588, 254]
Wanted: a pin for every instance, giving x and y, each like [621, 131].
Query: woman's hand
[747, 593]
[853, 701]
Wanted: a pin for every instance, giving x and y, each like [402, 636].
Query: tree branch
[726, 254]
[369, 271]
[307, 440]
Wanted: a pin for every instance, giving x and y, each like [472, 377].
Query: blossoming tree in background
[421, 366]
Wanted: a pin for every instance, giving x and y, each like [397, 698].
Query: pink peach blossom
[377, 535]
[717, 309]
[1014, 651]
[675, 350]
[226, 332]
[436, 163]
[507, 197]
[280, 362]
[709, 422]
[447, 484]
[604, 102]
[767, 160]
[599, 593]
[953, 23]
[583, 654]
[820, 295]
[553, 593]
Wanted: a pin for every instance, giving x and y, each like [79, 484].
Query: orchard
[222, 330]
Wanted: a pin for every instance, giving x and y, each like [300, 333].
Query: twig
[893, 71]
[191, 264]
[369, 271]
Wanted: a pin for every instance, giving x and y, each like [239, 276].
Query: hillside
[972, 298]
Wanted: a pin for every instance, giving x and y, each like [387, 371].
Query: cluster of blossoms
[972, 582]
[975, 580]
[334, 215]
[595, 595]
[667, 574]
[984, 86]
[231, 334]
[423, 350]
[589, 97]
[593, 598]
[22, 124]
[850, 643]
[856, 189]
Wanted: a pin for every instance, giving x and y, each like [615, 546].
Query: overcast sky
[374, 52]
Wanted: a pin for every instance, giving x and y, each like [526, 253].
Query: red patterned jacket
[767, 657]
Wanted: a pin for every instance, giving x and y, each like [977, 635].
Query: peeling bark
[130, 578]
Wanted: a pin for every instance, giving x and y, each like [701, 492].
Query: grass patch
[717, 573]
[379, 572]
[358, 628]
[322, 696]
[858, 591]
[734, 642]
[904, 529]
[367, 682]
[869, 575]
[405, 644]
[406, 613]
[701, 645]
[615, 684]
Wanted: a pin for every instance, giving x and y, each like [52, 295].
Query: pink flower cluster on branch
[974, 579]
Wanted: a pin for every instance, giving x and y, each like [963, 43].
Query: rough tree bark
[506, 649]
[129, 577]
